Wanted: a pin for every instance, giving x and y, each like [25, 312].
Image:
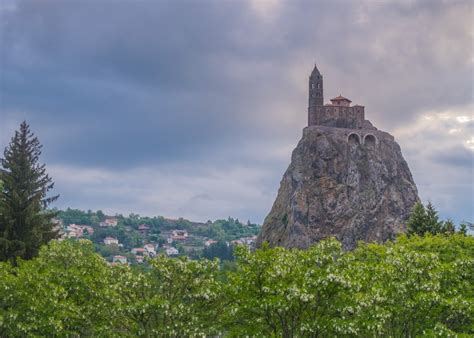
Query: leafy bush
[415, 286]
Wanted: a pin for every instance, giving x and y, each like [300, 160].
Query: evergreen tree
[433, 224]
[417, 221]
[448, 227]
[220, 250]
[463, 229]
[25, 221]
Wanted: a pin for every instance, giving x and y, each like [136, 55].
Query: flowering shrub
[417, 286]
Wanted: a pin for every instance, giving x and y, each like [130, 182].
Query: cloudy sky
[192, 108]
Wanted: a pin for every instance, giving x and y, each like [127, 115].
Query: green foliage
[220, 250]
[407, 288]
[25, 221]
[417, 222]
[415, 286]
[228, 230]
[426, 221]
[279, 292]
[76, 216]
[175, 298]
[66, 290]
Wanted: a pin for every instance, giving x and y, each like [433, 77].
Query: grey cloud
[455, 156]
[120, 85]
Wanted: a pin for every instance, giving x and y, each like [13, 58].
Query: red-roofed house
[143, 229]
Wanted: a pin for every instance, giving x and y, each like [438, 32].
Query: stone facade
[339, 113]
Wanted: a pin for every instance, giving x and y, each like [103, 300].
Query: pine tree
[25, 221]
[448, 227]
[417, 221]
[463, 229]
[433, 224]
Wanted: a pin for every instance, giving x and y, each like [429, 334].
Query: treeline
[418, 285]
[221, 229]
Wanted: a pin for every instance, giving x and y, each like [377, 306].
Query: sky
[192, 108]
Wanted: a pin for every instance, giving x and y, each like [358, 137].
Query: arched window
[319, 85]
[353, 138]
[370, 140]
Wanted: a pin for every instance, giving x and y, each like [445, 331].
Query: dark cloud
[120, 84]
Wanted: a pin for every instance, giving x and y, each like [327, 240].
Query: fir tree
[433, 224]
[417, 221]
[463, 229]
[448, 227]
[25, 221]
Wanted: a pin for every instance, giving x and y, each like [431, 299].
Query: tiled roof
[341, 98]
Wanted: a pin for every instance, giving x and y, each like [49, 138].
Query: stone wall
[342, 134]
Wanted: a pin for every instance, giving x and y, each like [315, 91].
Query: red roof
[341, 98]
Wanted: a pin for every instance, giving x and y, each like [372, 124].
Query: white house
[179, 235]
[150, 249]
[170, 251]
[111, 241]
[209, 242]
[77, 231]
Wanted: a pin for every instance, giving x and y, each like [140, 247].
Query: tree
[417, 221]
[220, 250]
[448, 227]
[64, 291]
[174, 298]
[424, 221]
[463, 228]
[433, 225]
[25, 221]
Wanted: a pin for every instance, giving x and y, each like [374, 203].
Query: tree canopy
[25, 221]
[414, 286]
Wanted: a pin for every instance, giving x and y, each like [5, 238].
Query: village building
[78, 231]
[109, 222]
[150, 249]
[209, 242]
[138, 251]
[119, 259]
[111, 241]
[171, 251]
[143, 229]
[248, 241]
[179, 235]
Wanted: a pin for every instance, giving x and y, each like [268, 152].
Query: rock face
[352, 184]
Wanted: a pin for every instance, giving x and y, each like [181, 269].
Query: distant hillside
[128, 236]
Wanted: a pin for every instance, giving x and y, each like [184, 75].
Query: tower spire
[315, 70]
[316, 98]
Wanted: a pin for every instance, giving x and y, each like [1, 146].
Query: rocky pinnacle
[352, 184]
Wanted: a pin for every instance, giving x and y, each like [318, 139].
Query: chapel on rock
[339, 113]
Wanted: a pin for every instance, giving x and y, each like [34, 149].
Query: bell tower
[316, 98]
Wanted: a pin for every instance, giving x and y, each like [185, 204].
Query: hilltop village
[133, 239]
